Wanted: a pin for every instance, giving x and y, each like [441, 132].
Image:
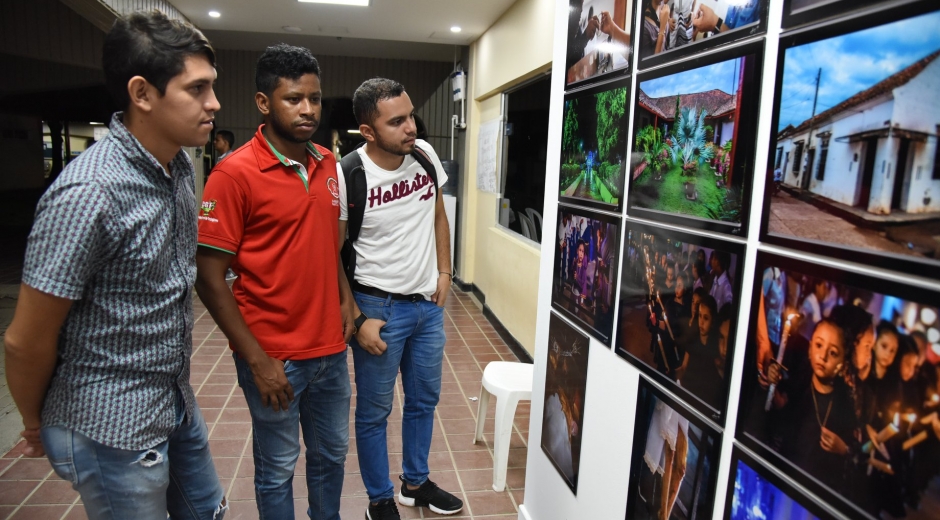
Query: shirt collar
[273, 157]
[140, 156]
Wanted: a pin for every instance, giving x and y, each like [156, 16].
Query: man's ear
[141, 93]
[263, 103]
[367, 133]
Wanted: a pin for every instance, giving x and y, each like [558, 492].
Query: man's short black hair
[367, 97]
[228, 136]
[283, 61]
[723, 258]
[150, 45]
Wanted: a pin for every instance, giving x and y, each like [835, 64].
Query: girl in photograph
[698, 374]
[657, 22]
[820, 416]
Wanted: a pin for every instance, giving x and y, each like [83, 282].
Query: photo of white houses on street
[856, 155]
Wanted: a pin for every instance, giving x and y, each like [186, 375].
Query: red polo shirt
[282, 231]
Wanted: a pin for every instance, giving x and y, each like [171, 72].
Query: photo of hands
[669, 25]
[599, 40]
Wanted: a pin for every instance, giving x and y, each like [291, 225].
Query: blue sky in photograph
[852, 63]
[722, 76]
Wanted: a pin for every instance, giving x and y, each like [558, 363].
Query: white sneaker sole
[410, 502]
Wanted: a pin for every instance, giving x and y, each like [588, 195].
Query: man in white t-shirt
[401, 282]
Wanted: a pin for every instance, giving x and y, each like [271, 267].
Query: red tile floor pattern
[29, 488]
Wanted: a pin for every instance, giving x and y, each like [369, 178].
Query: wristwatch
[360, 321]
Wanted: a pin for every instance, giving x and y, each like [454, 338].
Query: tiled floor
[29, 489]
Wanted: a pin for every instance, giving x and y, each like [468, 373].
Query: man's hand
[705, 19]
[272, 384]
[33, 443]
[348, 311]
[443, 289]
[369, 338]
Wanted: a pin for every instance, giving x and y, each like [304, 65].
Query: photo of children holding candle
[836, 389]
[586, 268]
[677, 311]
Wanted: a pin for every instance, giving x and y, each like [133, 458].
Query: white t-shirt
[396, 249]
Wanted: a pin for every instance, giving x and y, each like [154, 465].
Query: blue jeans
[414, 333]
[321, 409]
[176, 476]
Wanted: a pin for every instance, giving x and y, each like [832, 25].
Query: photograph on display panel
[679, 300]
[670, 29]
[599, 39]
[693, 142]
[757, 493]
[586, 269]
[675, 460]
[594, 145]
[799, 12]
[853, 171]
[565, 381]
[840, 387]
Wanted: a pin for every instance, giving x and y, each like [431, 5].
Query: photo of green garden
[594, 142]
[686, 158]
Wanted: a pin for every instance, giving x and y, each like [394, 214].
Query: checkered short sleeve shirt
[116, 233]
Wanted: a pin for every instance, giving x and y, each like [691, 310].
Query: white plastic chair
[510, 383]
[536, 218]
[525, 225]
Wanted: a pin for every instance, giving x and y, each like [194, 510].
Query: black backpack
[355, 177]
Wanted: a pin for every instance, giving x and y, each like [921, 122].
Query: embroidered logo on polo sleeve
[205, 211]
[208, 206]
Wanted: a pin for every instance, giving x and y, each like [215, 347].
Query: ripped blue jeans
[176, 477]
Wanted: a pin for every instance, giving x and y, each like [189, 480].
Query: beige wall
[503, 265]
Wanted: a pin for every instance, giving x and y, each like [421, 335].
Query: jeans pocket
[57, 441]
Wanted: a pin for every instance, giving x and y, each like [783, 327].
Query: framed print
[675, 460]
[756, 492]
[693, 142]
[840, 385]
[800, 12]
[599, 39]
[593, 144]
[565, 381]
[678, 312]
[854, 165]
[586, 269]
[672, 29]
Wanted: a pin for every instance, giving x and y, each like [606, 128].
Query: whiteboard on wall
[488, 156]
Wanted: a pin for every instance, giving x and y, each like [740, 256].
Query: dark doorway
[868, 172]
[900, 171]
[808, 171]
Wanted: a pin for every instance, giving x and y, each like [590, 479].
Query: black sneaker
[384, 510]
[430, 496]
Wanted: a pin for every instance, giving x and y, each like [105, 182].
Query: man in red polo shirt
[270, 211]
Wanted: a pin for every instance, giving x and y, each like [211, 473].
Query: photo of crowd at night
[842, 382]
[586, 269]
[678, 310]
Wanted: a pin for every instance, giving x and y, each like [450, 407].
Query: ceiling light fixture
[455, 29]
[215, 14]
[357, 3]
[353, 131]
[291, 28]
